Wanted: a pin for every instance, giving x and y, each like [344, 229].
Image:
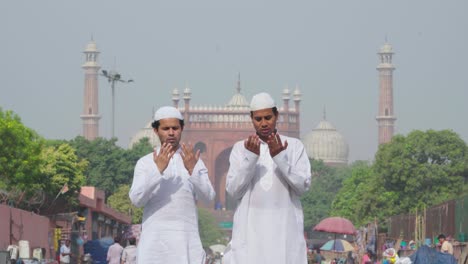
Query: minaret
[297, 100]
[90, 114]
[286, 97]
[386, 118]
[187, 93]
[175, 97]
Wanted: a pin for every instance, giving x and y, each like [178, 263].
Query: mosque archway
[221, 168]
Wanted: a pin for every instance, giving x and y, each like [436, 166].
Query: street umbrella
[338, 245]
[336, 225]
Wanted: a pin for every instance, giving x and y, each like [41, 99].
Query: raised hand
[253, 144]
[162, 159]
[189, 157]
[275, 145]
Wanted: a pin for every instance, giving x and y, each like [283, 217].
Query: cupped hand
[189, 157]
[275, 145]
[253, 144]
[163, 157]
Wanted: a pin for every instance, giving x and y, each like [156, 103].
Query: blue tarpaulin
[98, 249]
[427, 255]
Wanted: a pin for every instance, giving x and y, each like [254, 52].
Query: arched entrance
[221, 169]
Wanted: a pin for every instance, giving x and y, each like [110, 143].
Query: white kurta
[268, 222]
[170, 221]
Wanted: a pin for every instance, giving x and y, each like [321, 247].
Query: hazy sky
[327, 48]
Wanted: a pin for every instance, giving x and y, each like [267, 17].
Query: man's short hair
[156, 124]
[132, 241]
[441, 236]
[274, 109]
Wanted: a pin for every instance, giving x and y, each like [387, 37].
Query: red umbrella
[337, 225]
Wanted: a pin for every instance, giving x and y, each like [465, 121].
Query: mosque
[215, 129]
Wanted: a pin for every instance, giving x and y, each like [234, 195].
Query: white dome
[325, 143]
[238, 101]
[147, 132]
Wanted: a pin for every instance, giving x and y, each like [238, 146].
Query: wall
[16, 224]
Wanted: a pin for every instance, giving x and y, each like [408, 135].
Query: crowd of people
[117, 254]
[390, 255]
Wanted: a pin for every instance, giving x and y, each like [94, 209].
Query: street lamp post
[112, 77]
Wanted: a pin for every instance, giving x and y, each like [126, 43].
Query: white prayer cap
[167, 112]
[261, 101]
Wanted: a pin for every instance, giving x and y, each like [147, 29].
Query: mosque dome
[238, 101]
[327, 144]
[147, 132]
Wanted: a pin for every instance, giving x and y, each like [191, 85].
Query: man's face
[264, 122]
[67, 243]
[169, 131]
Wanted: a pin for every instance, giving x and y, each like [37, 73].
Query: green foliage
[348, 202]
[326, 182]
[19, 157]
[424, 168]
[210, 233]
[362, 196]
[62, 167]
[409, 173]
[109, 165]
[120, 201]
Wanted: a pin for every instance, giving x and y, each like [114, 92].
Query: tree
[423, 168]
[362, 197]
[19, 158]
[120, 201]
[409, 173]
[64, 172]
[109, 165]
[326, 182]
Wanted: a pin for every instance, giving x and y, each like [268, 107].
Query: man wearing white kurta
[167, 183]
[268, 173]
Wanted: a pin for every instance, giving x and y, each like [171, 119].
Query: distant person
[115, 252]
[268, 173]
[129, 254]
[350, 258]
[167, 183]
[445, 246]
[65, 252]
[318, 258]
[367, 257]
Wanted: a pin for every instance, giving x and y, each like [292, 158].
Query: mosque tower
[90, 114]
[386, 118]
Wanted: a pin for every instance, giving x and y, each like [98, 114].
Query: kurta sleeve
[146, 178]
[201, 182]
[241, 170]
[295, 167]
